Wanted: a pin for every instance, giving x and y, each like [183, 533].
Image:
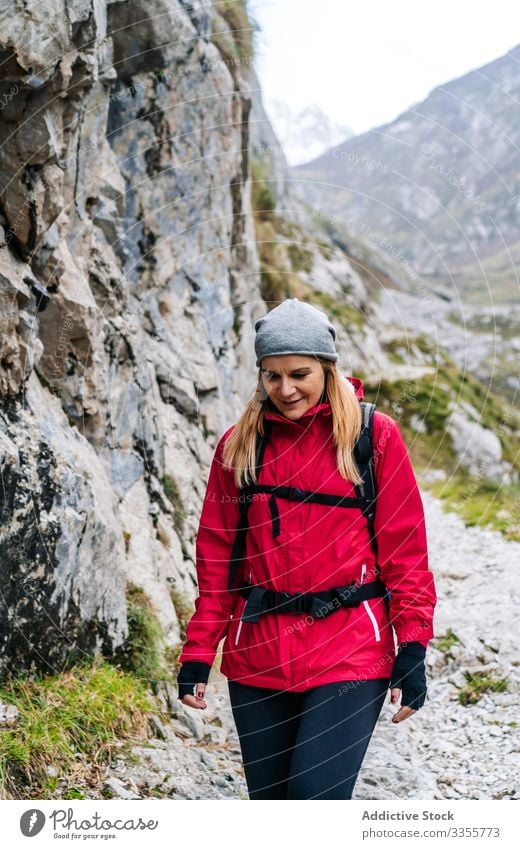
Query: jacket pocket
[370, 612]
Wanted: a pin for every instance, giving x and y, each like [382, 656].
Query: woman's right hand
[193, 674]
[198, 700]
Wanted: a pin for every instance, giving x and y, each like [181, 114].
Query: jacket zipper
[237, 635]
[366, 605]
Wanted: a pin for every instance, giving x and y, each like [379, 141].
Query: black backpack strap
[364, 456]
[365, 492]
[246, 494]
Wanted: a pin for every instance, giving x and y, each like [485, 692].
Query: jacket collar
[322, 409]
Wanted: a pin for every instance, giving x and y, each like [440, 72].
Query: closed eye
[297, 375]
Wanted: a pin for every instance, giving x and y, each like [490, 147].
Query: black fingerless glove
[192, 672]
[408, 673]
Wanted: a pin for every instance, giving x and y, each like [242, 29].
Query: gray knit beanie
[295, 327]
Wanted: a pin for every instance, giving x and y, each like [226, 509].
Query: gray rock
[119, 791]
[8, 714]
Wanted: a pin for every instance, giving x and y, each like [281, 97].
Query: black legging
[307, 745]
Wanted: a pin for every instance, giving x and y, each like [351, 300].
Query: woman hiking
[305, 582]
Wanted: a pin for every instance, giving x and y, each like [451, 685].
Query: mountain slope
[441, 183]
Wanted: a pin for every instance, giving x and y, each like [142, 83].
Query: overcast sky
[365, 62]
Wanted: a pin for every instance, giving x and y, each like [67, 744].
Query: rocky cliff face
[145, 220]
[129, 285]
[128, 270]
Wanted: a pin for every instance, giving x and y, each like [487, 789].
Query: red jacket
[318, 548]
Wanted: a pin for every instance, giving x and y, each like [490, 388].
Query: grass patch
[70, 723]
[300, 257]
[478, 500]
[263, 197]
[481, 502]
[448, 640]
[184, 610]
[144, 651]
[479, 683]
[233, 30]
[432, 396]
[171, 490]
[343, 312]
[280, 259]
[326, 250]
[127, 536]
[401, 400]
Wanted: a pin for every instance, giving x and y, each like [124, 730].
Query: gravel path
[445, 751]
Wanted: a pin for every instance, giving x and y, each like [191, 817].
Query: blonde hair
[239, 451]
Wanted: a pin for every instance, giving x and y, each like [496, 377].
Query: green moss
[144, 651]
[71, 722]
[479, 683]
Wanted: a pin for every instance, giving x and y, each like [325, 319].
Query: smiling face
[294, 383]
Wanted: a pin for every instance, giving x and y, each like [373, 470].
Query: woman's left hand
[403, 712]
[409, 678]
